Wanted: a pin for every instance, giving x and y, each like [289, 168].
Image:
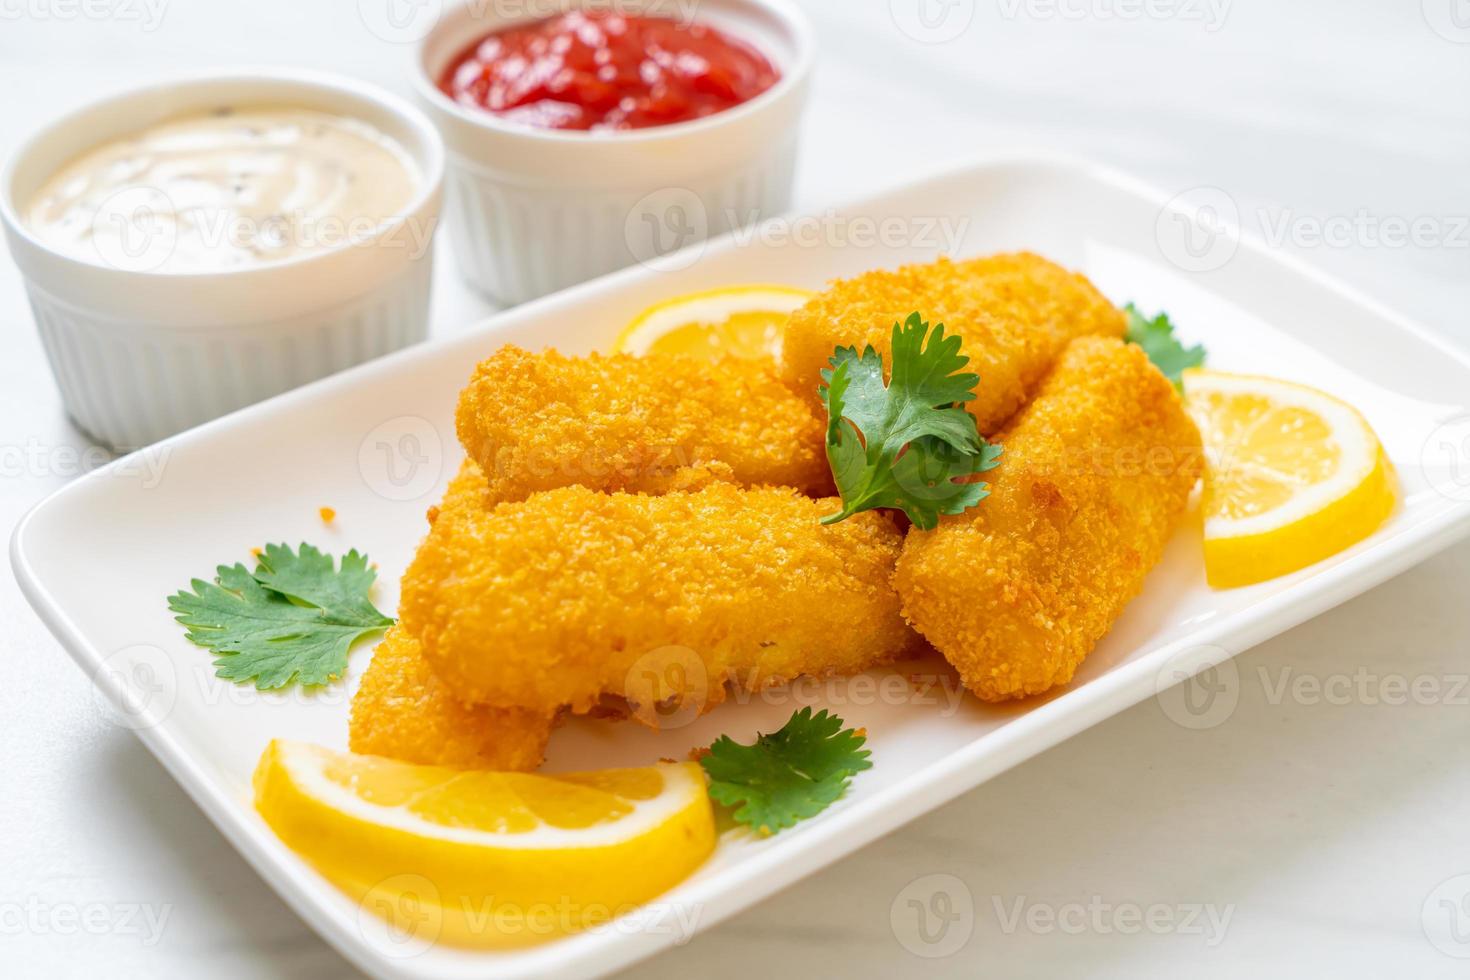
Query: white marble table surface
[1315, 830]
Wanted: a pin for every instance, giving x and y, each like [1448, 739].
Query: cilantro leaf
[293, 619]
[903, 444]
[1157, 339]
[786, 776]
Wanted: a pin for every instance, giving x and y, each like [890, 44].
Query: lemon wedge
[486, 858]
[1293, 475]
[736, 321]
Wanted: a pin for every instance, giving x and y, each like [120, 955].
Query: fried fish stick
[573, 594]
[1096, 472]
[647, 424]
[1013, 312]
[402, 711]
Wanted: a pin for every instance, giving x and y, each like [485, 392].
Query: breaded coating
[1013, 312]
[574, 594]
[404, 712]
[652, 424]
[1097, 470]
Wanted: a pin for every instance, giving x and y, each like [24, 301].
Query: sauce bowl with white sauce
[196, 246]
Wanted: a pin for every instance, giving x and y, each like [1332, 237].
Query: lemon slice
[736, 321]
[486, 858]
[1293, 476]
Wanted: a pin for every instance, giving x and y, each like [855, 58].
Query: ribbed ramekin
[531, 211]
[140, 355]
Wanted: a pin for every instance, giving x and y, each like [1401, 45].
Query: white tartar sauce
[224, 189]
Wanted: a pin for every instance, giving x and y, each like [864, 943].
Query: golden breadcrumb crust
[573, 594]
[1097, 470]
[1014, 313]
[402, 711]
[653, 424]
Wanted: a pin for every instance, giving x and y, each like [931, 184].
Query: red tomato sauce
[600, 71]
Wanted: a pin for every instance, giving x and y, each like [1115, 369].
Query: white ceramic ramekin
[532, 211]
[140, 355]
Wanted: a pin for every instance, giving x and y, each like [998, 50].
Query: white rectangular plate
[377, 444]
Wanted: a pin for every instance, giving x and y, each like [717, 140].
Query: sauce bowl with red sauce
[610, 134]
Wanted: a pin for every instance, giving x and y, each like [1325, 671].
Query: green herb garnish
[786, 776]
[293, 619]
[1157, 339]
[904, 444]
